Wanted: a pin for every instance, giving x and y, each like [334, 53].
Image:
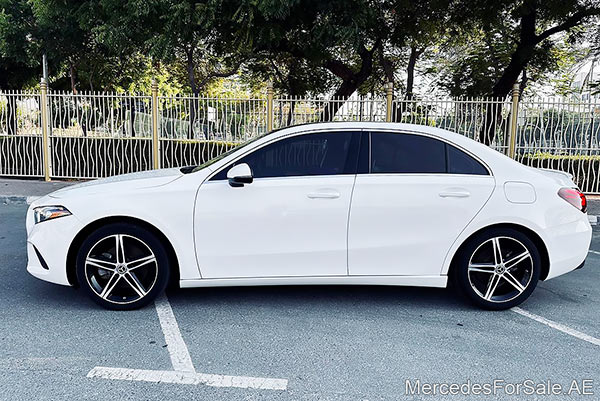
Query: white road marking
[178, 351]
[168, 376]
[558, 326]
[594, 252]
[183, 369]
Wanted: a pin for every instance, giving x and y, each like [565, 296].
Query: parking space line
[169, 376]
[557, 326]
[183, 369]
[594, 252]
[178, 351]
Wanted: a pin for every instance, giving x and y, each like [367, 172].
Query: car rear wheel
[498, 269]
[122, 266]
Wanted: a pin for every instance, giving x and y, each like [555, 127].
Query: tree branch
[340, 69]
[570, 22]
[219, 74]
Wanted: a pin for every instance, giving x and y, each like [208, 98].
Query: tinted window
[461, 163]
[405, 153]
[303, 155]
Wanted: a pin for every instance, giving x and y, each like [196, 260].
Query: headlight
[44, 213]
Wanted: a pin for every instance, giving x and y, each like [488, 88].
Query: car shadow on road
[53, 296]
[326, 295]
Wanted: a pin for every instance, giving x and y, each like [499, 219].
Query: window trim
[425, 134]
[358, 131]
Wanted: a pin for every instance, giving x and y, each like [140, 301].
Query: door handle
[455, 194]
[324, 195]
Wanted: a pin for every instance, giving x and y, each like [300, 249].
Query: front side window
[328, 153]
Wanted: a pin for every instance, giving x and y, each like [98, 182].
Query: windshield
[222, 155]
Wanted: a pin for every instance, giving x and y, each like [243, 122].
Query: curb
[17, 199]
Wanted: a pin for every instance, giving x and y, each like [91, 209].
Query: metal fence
[89, 135]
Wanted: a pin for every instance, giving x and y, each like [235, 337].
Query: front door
[290, 221]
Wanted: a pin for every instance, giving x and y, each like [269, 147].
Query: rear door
[413, 195]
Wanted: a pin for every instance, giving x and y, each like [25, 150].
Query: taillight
[574, 197]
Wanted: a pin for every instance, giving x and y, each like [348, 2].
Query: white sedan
[331, 203]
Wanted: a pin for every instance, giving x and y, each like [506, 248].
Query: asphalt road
[330, 343]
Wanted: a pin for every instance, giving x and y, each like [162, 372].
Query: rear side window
[416, 154]
[461, 163]
[406, 153]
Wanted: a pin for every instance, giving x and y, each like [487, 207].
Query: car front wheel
[122, 266]
[498, 269]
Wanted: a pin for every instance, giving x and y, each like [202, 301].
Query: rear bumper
[568, 246]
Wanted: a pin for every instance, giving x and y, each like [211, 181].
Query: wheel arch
[94, 225]
[533, 236]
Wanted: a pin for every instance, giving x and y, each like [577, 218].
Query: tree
[506, 39]
[538, 21]
[335, 37]
[19, 60]
[179, 34]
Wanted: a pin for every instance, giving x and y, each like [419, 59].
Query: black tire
[122, 286]
[497, 286]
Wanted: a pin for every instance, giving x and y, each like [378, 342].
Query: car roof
[454, 137]
[317, 126]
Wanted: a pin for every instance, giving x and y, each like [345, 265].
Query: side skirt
[412, 281]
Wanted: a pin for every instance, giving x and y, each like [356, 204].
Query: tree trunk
[518, 61]
[73, 79]
[388, 67]
[350, 80]
[344, 91]
[11, 115]
[132, 106]
[195, 92]
[290, 118]
[410, 70]
[79, 111]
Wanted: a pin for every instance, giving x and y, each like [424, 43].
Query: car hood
[143, 179]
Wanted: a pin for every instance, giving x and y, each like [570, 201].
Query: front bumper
[52, 240]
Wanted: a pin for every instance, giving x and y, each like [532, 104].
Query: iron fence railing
[20, 134]
[289, 111]
[98, 134]
[561, 134]
[480, 119]
[90, 135]
[194, 129]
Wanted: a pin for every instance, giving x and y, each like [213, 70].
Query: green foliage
[306, 47]
[18, 54]
[497, 43]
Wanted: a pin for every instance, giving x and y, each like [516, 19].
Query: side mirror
[239, 175]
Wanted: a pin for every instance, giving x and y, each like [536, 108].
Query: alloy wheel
[500, 269]
[121, 269]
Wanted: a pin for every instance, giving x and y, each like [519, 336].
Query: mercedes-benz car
[328, 203]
